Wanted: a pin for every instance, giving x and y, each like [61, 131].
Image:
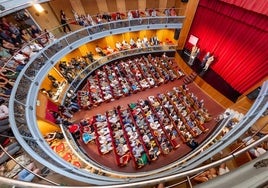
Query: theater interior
[140, 93]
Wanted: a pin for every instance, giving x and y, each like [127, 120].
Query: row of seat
[145, 129]
[126, 77]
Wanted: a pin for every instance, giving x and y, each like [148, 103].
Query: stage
[211, 77]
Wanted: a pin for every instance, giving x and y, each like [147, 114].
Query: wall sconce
[38, 8]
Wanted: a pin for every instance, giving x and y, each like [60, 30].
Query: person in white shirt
[208, 63]
[118, 45]
[153, 14]
[129, 15]
[139, 43]
[132, 43]
[258, 151]
[147, 13]
[4, 122]
[99, 51]
[223, 169]
[109, 49]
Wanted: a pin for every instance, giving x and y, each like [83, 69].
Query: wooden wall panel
[132, 5]
[91, 47]
[165, 34]
[142, 5]
[152, 4]
[47, 19]
[171, 3]
[102, 6]
[128, 36]
[90, 6]
[111, 40]
[64, 5]
[75, 53]
[83, 50]
[112, 6]
[121, 5]
[78, 7]
[163, 4]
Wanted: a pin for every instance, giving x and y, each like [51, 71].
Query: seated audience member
[106, 17]
[118, 16]
[99, 51]
[64, 112]
[4, 34]
[4, 53]
[4, 122]
[90, 57]
[173, 12]
[223, 169]
[25, 35]
[25, 175]
[167, 12]
[75, 130]
[10, 169]
[257, 151]
[118, 45]
[16, 40]
[109, 49]
[130, 15]
[161, 185]
[35, 31]
[9, 73]
[153, 13]
[8, 45]
[192, 144]
[53, 135]
[206, 175]
[11, 150]
[132, 43]
[49, 36]
[125, 45]
[147, 12]
[14, 29]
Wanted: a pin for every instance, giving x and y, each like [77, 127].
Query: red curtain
[238, 40]
[259, 6]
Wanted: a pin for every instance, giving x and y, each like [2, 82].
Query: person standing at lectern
[194, 53]
[208, 63]
[203, 63]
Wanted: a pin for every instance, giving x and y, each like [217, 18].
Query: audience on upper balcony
[173, 12]
[4, 122]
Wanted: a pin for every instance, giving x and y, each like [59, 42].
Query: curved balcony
[23, 98]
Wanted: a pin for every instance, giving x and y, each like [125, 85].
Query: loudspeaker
[177, 34]
[184, 1]
[254, 94]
